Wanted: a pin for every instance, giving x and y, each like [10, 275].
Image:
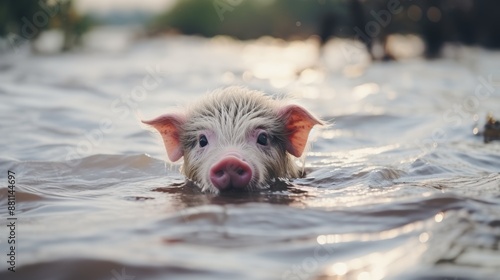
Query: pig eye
[262, 139]
[203, 141]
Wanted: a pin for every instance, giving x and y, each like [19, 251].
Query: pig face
[236, 138]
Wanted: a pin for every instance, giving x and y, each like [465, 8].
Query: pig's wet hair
[236, 138]
[230, 116]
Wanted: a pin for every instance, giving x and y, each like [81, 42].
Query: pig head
[236, 138]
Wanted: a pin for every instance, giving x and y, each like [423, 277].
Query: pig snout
[229, 172]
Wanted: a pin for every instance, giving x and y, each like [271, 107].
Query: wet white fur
[230, 116]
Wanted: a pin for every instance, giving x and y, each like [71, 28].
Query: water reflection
[280, 192]
[377, 187]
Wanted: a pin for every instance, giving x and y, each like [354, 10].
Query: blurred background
[434, 22]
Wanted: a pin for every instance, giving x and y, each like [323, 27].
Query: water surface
[399, 187]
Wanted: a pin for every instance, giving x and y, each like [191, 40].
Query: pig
[236, 138]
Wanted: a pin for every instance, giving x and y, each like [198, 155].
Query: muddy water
[398, 186]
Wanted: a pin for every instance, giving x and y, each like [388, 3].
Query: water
[399, 187]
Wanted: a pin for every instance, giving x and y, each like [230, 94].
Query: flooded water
[399, 187]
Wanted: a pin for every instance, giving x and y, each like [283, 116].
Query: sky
[120, 5]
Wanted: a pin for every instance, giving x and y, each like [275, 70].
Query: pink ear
[169, 126]
[298, 124]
